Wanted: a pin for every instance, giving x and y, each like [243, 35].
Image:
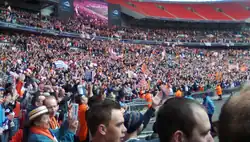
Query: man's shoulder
[154, 140]
[38, 138]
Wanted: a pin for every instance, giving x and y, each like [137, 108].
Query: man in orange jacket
[82, 133]
[219, 91]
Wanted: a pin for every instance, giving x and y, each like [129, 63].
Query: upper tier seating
[235, 10]
[151, 9]
[209, 12]
[181, 11]
[216, 11]
[126, 4]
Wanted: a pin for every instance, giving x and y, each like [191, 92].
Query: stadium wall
[132, 13]
[119, 15]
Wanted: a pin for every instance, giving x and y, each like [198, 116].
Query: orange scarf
[41, 131]
[53, 123]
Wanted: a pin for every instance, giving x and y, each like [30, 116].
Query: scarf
[53, 123]
[45, 132]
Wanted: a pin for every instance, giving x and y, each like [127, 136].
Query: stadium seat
[229, 11]
[127, 5]
[209, 12]
[181, 11]
[246, 3]
[151, 9]
[233, 9]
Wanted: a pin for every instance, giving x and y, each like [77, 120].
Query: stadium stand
[153, 9]
[127, 64]
[209, 12]
[228, 11]
[127, 5]
[234, 9]
[182, 11]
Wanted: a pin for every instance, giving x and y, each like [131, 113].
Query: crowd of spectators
[86, 21]
[177, 66]
[119, 71]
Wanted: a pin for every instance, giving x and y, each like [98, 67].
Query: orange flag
[144, 68]
[218, 76]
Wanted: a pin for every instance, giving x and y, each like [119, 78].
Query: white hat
[37, 112]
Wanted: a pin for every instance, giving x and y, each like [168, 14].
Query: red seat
[181, 11]
[209, 12]
[233, 9]
[152, 9]
[246, 3]
[202, 11]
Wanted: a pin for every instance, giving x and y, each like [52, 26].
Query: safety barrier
[141, 104]
[137, 104]
[212, 93]
[196, 95]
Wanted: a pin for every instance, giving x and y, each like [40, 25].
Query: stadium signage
[115, 12]
[67, 4]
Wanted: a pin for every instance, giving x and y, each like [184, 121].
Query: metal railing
[137, 105]
[196, 95]
[212, 93]
[141, 104]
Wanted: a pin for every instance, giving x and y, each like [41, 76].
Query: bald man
[51, 103]
[181, 119]
[234, 124]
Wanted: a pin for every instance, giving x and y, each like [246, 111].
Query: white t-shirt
[171, 93]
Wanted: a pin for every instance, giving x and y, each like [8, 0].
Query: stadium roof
[34, 5]
[191, 1]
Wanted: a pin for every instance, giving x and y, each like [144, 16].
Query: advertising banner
[114, 14]
[65, 9]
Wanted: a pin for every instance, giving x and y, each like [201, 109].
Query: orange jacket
[17, 110]
[141, 95]
[178, 94]
[83, 130]
[19, 86]
[18, 137]
[148, 98]
[218, 90]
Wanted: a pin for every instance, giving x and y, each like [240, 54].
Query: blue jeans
[5, 136]
[16, 127]
[210, 116]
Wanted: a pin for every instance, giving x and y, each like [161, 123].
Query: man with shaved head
[234, 120]
[183, 120]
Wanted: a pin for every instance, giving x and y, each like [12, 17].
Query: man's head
[234, 125]
[79, 99]
[183, 120]
[133, 121]
[37, 99]
[51, 103]
[105, 121]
